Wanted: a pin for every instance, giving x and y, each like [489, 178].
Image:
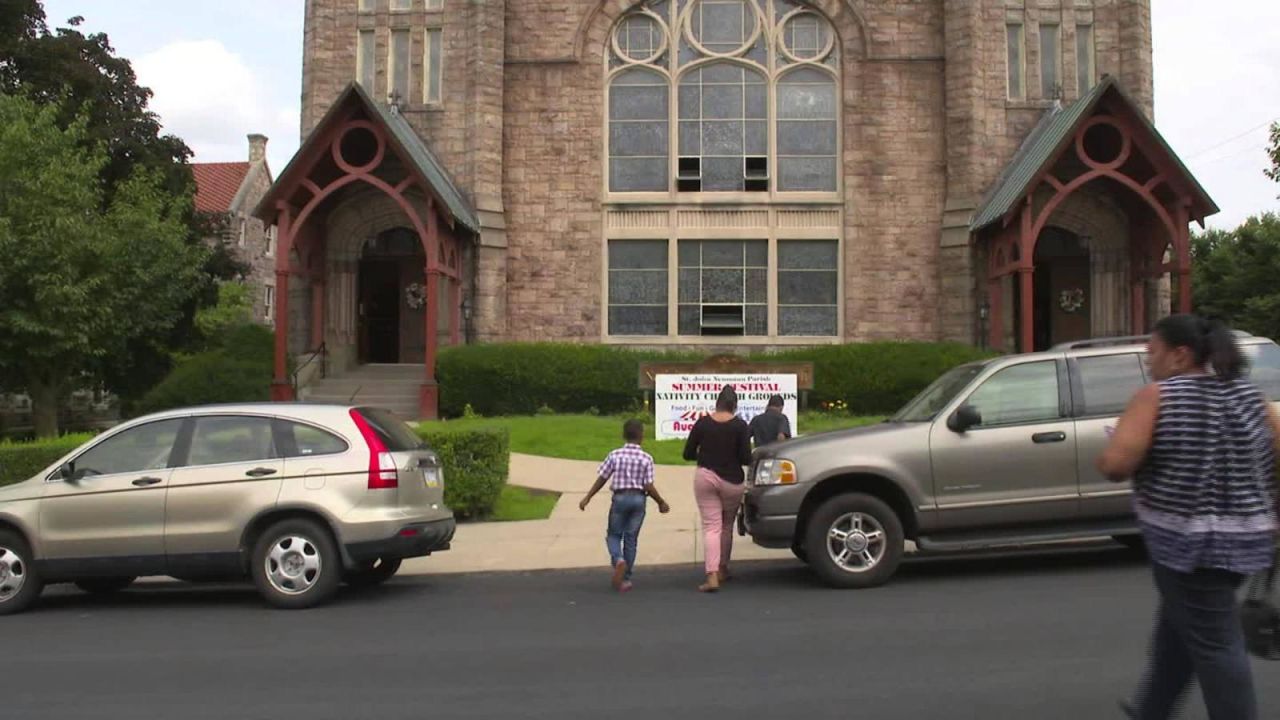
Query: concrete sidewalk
[571, 538]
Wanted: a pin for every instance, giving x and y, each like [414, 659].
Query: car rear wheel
[372, 573]
[854, 541]
[800, 552]
[20, 583]
[296, 565]
[104, 586]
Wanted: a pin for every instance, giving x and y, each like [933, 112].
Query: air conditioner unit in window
[689, 174]
[723, 320]
[755, 173]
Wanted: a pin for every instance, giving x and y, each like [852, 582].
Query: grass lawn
[590, 437]
[518, 503]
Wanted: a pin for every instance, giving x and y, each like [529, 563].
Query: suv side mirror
[965, 417]
[68, 472]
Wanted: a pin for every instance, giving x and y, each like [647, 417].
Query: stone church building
[719, 173]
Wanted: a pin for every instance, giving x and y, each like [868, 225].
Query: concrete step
[388, 372]
[381, 388]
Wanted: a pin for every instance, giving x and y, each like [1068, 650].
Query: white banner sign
[679, 400]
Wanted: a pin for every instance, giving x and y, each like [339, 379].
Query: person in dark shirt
[721, 445]
[771, 425]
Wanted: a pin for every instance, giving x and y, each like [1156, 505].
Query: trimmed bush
[238, 369]
[20, 461]
[476, 465]
[878, 378]
[523, 379]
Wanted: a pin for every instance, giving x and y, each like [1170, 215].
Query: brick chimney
[257, 148]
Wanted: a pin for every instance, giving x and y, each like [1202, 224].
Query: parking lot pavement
[1050, 636]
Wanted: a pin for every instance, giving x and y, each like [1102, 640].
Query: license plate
[431, 479]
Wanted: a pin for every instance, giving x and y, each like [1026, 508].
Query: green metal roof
[417, 152]
[1044, 145]
[405, 142]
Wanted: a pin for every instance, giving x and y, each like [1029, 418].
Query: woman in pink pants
[721, 445]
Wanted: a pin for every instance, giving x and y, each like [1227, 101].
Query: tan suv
[297, 497]
[999, 452]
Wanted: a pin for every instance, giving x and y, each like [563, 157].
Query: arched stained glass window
[730, 66]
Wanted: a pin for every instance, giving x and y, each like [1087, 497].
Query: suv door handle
[145, 481]
[1048, 437]
[260, 472]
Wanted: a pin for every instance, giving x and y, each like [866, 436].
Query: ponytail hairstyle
[1209, 340]
[727, 400]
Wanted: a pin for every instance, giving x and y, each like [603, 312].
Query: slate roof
[404, 141]
[1044, 145]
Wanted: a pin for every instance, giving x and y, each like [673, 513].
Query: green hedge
[878, 378]
[476, 465]
[522, 379]
[238, 369]
[20, 461]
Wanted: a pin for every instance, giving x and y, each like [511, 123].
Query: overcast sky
[221, 70]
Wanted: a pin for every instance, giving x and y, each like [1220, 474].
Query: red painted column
[1026, 279]
[1182, 259]
[281, 384]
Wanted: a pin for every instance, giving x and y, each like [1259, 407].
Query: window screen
[638, 132]
[808, 287]
[724, 287]
[807, 112]
[638, 287]
[723, 110]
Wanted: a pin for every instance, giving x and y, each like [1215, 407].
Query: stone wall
[928, 127]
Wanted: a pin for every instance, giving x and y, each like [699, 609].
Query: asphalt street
[1039, 635]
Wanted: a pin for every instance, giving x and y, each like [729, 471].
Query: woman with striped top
[1200, 444]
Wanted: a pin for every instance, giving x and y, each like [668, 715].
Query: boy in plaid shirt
[629, 470]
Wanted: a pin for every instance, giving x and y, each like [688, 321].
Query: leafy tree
[81, 77]
[1234, 274]
[83, 275]
[234, 308]
[1273, 153]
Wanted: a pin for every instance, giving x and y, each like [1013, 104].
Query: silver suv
[297, 497]
[997, 452]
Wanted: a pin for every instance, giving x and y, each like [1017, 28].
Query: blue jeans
[1198, 636]
[626, 515]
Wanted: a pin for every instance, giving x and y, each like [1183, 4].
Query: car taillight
[382, 467]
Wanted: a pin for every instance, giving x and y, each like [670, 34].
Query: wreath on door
[1071, 300]
[415, 296]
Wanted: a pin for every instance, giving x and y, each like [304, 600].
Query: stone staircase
[394, 387]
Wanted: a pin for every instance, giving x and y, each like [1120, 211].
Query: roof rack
[1114, 341]
[1100, 342]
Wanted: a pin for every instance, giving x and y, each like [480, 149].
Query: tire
[858, 517]
[20, 582]
[373, 573]
[1133, 542]
[801, 554]
[295, 564]
[104, 586]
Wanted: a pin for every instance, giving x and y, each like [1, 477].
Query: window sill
[725, 198]
[701, 340]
